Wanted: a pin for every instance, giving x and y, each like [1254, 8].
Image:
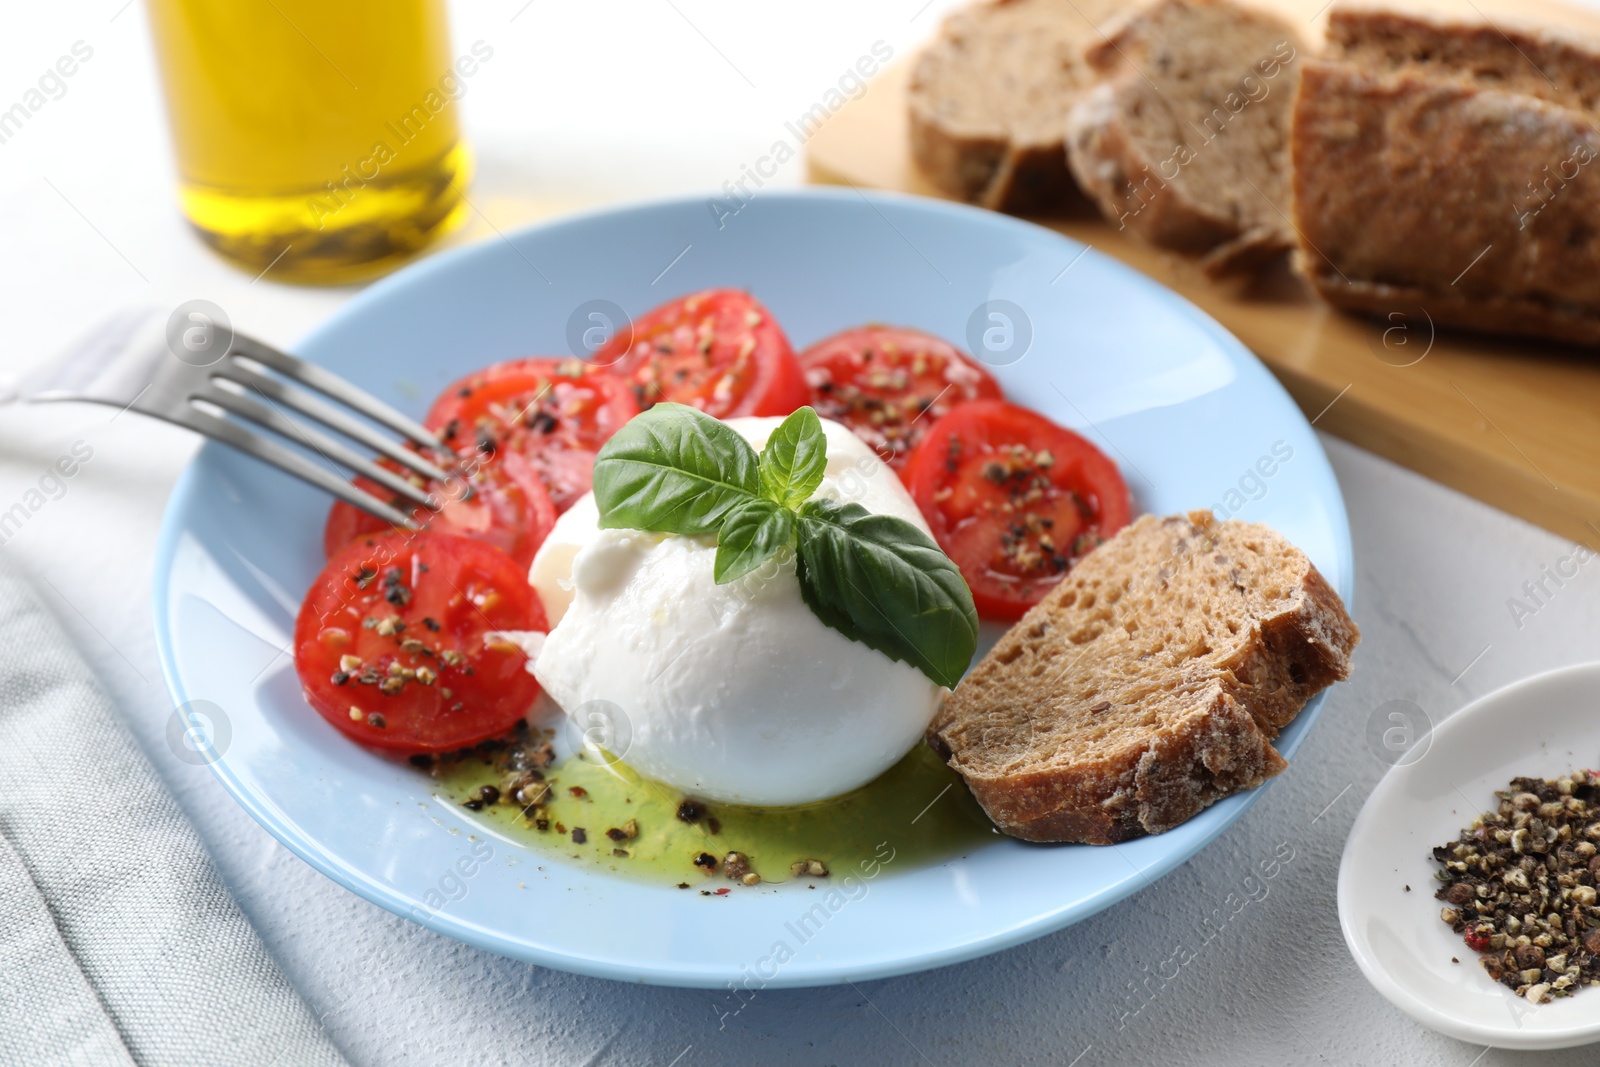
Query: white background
[596, 102]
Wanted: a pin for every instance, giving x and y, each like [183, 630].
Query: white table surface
[587, 103]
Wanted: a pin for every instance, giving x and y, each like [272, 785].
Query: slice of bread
[989, 98]
[1184, 138]
[1147, 685]
[1453, 166]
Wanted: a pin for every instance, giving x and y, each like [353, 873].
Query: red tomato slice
[555, 412]
[890, 385]
[719, 351]
[393, 642]
[507, 506]
[1015, 500]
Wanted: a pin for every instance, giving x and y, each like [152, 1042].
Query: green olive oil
[605, 815]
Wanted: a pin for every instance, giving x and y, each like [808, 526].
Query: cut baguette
[989, 97]
[1446, 165]
[1183, 140]
[1149, 684]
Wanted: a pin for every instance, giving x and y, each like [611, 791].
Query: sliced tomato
[503, 504]
[890, 385]
[555, 413]
[1014, 500]
[395, 644]
[719, 351]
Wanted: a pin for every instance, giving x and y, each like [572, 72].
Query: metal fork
[198, 373]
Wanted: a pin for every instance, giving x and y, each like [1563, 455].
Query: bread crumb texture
[1148, 684]
[1184, 138]
[989, 98]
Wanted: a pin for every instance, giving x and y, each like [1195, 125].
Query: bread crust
[1452, 166]
[1504, 315]
[962, 164]
[992, 171]
[999, 728]
[1144, 789]
[1032, 179]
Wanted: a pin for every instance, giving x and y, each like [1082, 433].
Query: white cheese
[736, 692]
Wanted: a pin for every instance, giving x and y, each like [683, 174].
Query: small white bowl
[1541, 727]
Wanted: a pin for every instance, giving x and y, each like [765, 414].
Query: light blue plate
[1192, 418]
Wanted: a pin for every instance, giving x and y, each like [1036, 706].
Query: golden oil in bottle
[318, 140]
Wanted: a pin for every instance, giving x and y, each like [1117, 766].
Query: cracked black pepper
[1519, 886]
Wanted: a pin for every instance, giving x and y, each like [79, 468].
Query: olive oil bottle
[316, 141]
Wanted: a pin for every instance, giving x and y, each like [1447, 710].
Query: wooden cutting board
[1514, 423]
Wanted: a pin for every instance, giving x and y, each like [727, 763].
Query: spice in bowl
[1520, 886]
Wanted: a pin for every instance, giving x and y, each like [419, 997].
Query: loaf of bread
[1149, 684]
[1183, 140]
[989, 99]
[1451, 166]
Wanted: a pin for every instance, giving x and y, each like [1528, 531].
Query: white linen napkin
[118, 942]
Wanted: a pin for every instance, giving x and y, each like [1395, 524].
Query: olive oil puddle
[915, 814]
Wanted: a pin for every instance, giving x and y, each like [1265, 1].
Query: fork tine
[328, 415]
[292, 463]
[330, 449]
[335, 387]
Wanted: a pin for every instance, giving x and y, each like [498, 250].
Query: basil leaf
[880, 580]
[794, 460]
[752, 533]
[673, 469]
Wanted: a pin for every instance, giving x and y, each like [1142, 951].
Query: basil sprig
[876, 579]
